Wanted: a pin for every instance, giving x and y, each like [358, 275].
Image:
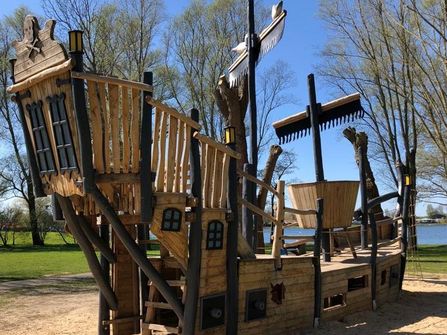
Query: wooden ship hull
[129, 173]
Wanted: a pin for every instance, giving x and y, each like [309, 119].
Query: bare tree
[14, 171]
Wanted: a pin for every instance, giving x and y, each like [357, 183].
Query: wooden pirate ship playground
[127, 172]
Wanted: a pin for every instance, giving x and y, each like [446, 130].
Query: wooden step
[154, 304]
[162, 328]
[178, 282]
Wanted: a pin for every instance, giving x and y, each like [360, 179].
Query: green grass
[24, 261]
[432, 259]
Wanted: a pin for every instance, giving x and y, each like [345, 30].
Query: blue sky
[303, 39]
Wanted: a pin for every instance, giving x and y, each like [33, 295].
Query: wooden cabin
[130, 172]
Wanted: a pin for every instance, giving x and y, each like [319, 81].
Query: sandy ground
[69, 306]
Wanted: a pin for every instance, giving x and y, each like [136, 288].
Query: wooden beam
[217, 145]
[278, 233]
[41, 76]
[117, 178]
[257, 181]
[258, 211]
[111, 80]
[174, 113]
[300, 211]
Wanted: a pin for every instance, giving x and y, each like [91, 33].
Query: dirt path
[65, 306]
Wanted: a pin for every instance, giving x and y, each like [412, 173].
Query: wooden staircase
[159, 318]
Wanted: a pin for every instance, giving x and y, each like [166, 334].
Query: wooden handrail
[258, 211]
[387, 243]
[111, 80]
[257, 181]
[172, 111]
[300, 211]
[217, 145]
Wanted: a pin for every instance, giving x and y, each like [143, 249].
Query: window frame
[215, 239]
[42, 144]
[172, 221]
[62, 133]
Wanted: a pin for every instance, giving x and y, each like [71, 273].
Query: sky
[304, 37]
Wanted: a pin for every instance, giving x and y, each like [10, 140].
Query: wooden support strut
[136, 253]
[86, 247]
[195, 236]
[404, 238]
[95, 239]
[363, 198]
[373, 258]
[104, 309]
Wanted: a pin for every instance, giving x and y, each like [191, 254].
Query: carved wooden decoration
[38, 50]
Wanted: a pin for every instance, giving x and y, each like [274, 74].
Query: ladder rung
[162, 305]
[162, 328]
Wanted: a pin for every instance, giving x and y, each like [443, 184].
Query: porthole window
[45, 158]
[214, 238]
[62, 133]
[171, 219]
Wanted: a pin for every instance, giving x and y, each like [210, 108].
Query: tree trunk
[360, 139]
[37, 240]
[275, 152]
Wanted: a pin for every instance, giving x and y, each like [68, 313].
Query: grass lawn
[432, 259]
[24, 261]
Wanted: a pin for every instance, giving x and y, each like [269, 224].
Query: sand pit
[72, 309]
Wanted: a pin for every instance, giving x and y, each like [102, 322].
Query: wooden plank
[161, 305]
[114, 118]
[185, 158]
[112, 80]
[96, 126]
[257, 210]
[29, 69]
[156, 138]
[163, 328]
[224, 189]
[105, 119]
[162, 154]
[217, 177]
[135, 130]
[210, 151]
[172, 147]
[178, 159]
[126, 134]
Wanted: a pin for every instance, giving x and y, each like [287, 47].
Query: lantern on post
[230, 135]
[75, 43]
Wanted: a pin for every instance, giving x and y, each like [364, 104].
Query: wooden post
[86, 247]
[373, 259]
[195, 237]
[363, 198]
[232, 238]
[104, 310]
[82, 122]
[316, 261]
[145, 183]
[136, 253]
[56, 209]
[313, 110]
[278, 230]
[404, 238]
[247, 215]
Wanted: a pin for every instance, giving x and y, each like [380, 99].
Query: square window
[171, 219]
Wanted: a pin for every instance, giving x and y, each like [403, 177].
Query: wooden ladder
[154, 323]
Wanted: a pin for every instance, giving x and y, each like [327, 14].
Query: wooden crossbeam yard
[334, 113]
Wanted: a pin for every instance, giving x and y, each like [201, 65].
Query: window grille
[215, 235]
[171, 219]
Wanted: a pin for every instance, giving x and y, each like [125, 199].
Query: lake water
[426, 233]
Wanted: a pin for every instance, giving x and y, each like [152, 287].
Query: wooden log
[316, 261]
[258, 211]
[258, 182]
[106, 126]
[186, 158]
[104, 309]
[171, 155]
[126, 133]
[88, 251]
[95, 239]
[218, 179]
[112, 80]
[216, 145]
[179, 155]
